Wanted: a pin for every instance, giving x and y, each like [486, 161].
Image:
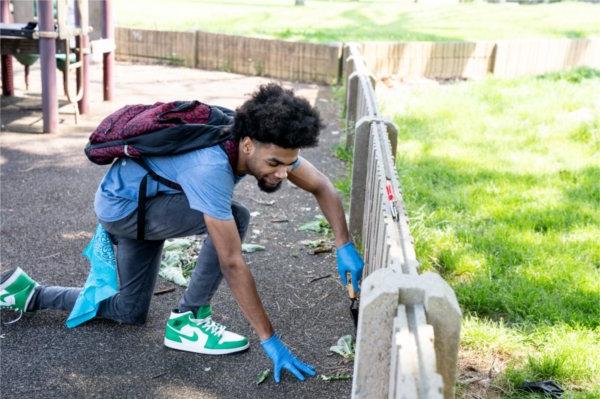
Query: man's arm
[226, 240]
[308, 178]
[349, 261]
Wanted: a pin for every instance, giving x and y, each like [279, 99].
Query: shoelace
[213, 326]
[15, 320]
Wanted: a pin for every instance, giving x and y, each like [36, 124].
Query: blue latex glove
[349, 261]
[283, 358]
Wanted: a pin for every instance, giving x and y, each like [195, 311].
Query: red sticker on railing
[389, 190]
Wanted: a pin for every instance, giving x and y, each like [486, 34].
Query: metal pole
[83, 42]
[108, 32]
[48, 66]
[8, 87]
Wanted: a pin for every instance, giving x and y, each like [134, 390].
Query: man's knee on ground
[130, 312]
[136, 318]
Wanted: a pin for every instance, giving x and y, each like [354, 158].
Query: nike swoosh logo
[192, 338]
[8, 300]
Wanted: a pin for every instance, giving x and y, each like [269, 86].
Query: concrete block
[404, 359]
[431, 384]
[444, 314]
[378, 308]
[383, 290]
[351, 105]
[359, 174]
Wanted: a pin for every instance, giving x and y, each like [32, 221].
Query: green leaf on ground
[249, 248]
[179, 259]
[336, 377]
[178, 244]
[262, 376]
[319, 225]
[313, 243]
[315, 226]
[344, 347]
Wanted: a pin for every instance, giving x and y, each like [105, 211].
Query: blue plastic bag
[102, 282]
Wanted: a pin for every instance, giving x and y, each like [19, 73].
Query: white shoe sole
[189, 348]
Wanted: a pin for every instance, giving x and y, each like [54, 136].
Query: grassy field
[502, 183]
[329, 21]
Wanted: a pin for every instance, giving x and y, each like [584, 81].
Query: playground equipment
[61, 33]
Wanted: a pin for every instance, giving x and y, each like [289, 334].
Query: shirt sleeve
[209, 188]
[297, 163]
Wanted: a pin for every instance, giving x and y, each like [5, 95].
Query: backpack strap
[229, 146]
[155, 176]
[141, 216]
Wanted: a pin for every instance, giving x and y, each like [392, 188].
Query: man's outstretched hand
[349, 261]
[283, 358]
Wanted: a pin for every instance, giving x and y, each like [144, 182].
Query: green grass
[339, 150]
[502, 183]
[337, 21]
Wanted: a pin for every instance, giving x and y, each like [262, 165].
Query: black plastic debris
[549, 388]
[354, 300]
[354, 305]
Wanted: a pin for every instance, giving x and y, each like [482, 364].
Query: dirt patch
[478, 376]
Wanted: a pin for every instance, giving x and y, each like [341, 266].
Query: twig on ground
[49, 256]
[290, 286]
[164, 291]
[293, 304]
[319, 278]
[300, 299]
[504, 391]
[471, 380]
[320, 300]
[492, 368]
[320, 250]
[268, 203]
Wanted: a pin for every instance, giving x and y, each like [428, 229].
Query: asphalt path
[47, 189]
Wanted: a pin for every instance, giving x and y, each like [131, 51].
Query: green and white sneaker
[201, 334]
[16, 292]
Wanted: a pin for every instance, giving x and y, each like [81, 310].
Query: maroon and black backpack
[138, 131]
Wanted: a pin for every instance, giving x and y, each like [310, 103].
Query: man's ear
[248, 145]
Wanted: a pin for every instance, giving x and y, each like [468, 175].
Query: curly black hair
[275, 115]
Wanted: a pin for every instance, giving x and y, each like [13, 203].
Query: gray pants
[167, 216]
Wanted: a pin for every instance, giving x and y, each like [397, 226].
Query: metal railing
[409, 323]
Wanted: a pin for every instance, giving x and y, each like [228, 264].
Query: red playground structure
[63, 34]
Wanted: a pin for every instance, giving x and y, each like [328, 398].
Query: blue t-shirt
[205, 176]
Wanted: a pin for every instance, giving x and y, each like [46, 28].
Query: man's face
[269, 163]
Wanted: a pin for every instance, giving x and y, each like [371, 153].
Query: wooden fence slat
[319, 62]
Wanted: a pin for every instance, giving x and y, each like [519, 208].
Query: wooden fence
[475, 60]
[322, 63]
[429, 59]
[306, 62]
[532, 57]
